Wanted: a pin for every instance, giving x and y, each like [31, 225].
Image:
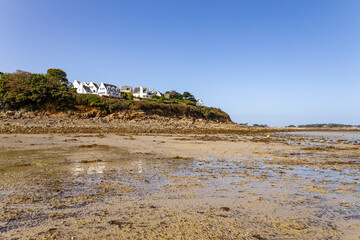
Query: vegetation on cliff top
[33, 91]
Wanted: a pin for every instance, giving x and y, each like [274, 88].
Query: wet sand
[193, 186]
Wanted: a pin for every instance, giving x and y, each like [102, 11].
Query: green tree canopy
[189, 96]
[57, 74]
[34, 91]
[174, 94]
[17, 88]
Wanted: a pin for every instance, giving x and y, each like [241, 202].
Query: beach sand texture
[179, 186]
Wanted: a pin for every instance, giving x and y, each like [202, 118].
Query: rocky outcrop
[95, 121]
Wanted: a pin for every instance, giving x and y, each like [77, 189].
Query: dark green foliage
[58, 75]
[109, 105]
[157, 99]
[118, 105]
[188, 96]
[16, 89]
[174, 94]
[260, 125]
[87, 99]
[180, 110]
[4, 79]
[24, 90]
[127, 95]
[210, 112]
[152, 107]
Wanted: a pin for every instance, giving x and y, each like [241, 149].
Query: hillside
[50, 93]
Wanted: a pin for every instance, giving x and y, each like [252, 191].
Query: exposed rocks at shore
[95, 121]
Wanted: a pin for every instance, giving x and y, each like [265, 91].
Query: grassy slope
[160, 107]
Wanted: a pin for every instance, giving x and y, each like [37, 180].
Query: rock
[119, 223]
[91, 161]
[225, 209]
[9, 113]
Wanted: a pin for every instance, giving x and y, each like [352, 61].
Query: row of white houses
[104, 89]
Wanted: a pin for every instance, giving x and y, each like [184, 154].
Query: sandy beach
[176, 186]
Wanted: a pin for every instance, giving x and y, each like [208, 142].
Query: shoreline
[30, 123]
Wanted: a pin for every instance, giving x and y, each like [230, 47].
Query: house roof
[109, 85]
[95, 84]
[126, 88]
[136, 90]
[87, 89]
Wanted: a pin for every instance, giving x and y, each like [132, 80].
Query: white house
[76, 84]
[83, 89]
[199, 102]
[126, 89]
[141, 92]
[156, 93]
[94, 87]
[109, 90]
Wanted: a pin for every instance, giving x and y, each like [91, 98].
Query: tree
[18, 89]
[174, 94]
[188, 96]
[41, 89]
[57, 74]
[4, 78]
[35, 91]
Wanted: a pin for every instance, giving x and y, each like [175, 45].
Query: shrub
[127, 95]
[34, 91]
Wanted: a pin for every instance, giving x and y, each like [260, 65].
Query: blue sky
[275, 62]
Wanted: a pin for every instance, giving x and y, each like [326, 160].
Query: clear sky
[275, 62]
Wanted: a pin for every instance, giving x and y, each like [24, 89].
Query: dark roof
[109, 85]
[136, 90]
[126, 88]
[87, 89]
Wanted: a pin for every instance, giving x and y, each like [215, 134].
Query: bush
[24, 90]
[116, 106]
[127, 95]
